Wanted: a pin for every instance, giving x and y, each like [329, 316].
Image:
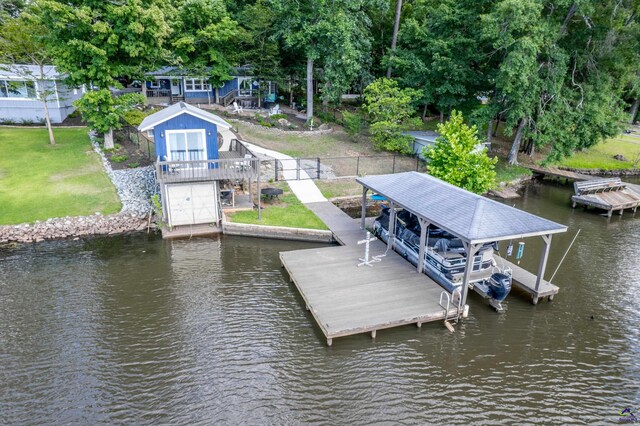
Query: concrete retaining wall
[277, 232]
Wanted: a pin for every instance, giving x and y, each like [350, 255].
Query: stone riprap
[135, 187]
[69, 227]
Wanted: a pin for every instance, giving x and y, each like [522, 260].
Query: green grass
[287, 211]
[601, 156]
[39, 181]
[508, 173]
[334, 144]
[339, 187]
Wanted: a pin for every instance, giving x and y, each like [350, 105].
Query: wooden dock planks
[346, 299]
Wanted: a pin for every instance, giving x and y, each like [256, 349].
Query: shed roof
[175, 110]
[471, 217]
[28, 71]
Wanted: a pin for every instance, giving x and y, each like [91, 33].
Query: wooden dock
[526, 281]
[609, 194]
[346, 299]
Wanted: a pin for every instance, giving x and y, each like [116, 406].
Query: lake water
[140, 330]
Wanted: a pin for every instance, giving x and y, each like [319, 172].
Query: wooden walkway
[526, 281]
[345, 299]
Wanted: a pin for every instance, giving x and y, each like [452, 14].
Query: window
[196, 85]
[186, 145]
[155, 84]
[17, 89]
[245, 87]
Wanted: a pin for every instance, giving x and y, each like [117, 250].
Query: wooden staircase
[177, 98]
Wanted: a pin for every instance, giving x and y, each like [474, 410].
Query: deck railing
[207, 170]
[158, 93]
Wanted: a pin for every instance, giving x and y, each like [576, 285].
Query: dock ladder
[448, 296]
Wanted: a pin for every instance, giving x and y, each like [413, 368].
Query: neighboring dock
[609, 194]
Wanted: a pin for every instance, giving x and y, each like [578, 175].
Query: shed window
[17, 89]
[196, 85]
[186, 145]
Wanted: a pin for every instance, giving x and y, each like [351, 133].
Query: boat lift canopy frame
[472, 218]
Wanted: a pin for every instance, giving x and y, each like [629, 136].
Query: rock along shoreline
[135, 187]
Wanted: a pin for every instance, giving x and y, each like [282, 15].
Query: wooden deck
[345, 299]
[188, 231]
[526, 281]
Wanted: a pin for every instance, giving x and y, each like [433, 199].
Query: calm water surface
[140, 330]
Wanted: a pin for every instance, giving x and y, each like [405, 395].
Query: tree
[21, 41]
[206, 39]
[394, 36]
[455, 158]
[103, 112]
[96, 42]
[388, 108]
[10, 9]
[335, 33]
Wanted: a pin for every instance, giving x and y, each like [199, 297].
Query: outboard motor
[500, 286]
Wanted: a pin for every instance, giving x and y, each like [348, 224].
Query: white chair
[237, 108]
[275, 110]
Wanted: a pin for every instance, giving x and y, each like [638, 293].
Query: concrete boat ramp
[347, 299]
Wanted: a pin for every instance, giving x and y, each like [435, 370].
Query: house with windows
[169, 85]
[21, 94]
[195, 171]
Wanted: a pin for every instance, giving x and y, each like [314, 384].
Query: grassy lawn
[332, 188]
[287, 211]
[334, 144]
[507, 173]
[601, 156]
[39, 181]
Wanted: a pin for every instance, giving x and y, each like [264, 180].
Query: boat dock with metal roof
[347, 299]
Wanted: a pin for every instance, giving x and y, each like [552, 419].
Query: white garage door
[192, 204]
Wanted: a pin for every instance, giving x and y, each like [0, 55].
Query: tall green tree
[333, 33]
[457, 159]
[96, 42]
[206, 39]
[22, 41]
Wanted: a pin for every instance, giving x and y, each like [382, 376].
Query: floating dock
[347, 299]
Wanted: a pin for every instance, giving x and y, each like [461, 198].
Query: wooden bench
[608, 194]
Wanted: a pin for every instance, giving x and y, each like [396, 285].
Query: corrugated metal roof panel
[20, 71]
[469, 216]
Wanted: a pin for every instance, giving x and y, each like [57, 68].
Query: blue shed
[183, 132]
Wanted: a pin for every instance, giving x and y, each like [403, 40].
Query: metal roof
[180, 108]
[28, 72]
[471, 217]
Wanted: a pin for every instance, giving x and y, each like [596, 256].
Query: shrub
[352, 123]
[277, 116]
[133, 165]
[265, 123]
[26, 122]
[456, 159]
[119, 158]
[134, 116]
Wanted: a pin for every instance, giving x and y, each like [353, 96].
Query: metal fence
[137, 138]
[336, 167]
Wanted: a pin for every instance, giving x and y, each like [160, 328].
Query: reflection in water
[136, 329]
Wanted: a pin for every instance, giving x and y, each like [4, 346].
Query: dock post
[373, 334]
[423, 242]
[471, 250]
[329, 342]
[392, 225]
[363, 213]
[543, 261]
